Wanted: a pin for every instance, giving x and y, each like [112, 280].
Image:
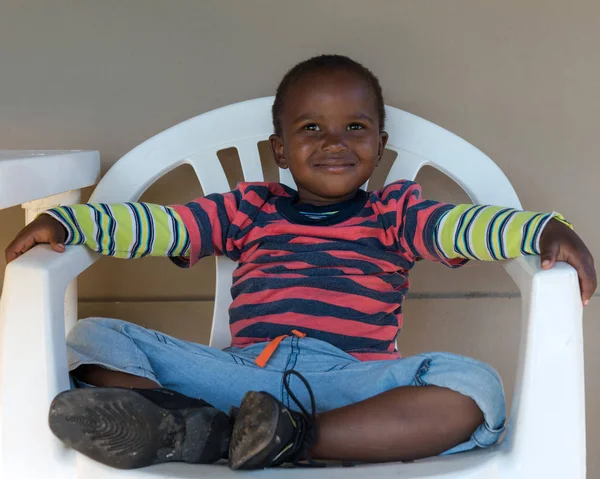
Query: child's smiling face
[331, 139]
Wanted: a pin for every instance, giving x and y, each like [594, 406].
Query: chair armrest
[548, 409]
[33, 367]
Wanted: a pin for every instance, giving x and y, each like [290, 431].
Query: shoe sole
[125, 430]
[253, 431]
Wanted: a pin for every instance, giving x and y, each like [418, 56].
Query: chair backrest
[196, 142]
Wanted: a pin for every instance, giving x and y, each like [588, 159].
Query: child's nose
[334, 143]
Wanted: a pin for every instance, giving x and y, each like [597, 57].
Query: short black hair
[325, 62]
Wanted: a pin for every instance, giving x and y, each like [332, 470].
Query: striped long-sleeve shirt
[337, 273]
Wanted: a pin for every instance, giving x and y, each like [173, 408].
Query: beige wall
[519, 79]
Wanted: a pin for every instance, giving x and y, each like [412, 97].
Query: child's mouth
[335, 166]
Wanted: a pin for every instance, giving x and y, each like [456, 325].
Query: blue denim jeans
[336, 378]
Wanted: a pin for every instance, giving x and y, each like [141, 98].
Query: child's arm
[490, 233]
[123, 230]
[206, 226]
[453, 234]
[185, 233]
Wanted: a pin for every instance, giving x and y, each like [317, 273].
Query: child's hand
[44, 229]
[560, 243]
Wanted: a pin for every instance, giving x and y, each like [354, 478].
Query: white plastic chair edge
[33, 359]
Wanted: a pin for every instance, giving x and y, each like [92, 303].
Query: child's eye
[311, 127]
[355, 126]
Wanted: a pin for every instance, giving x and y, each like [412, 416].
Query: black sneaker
[267, 434]
[131, 428]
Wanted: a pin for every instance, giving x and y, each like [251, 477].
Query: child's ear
[277, 149]
[383, 139]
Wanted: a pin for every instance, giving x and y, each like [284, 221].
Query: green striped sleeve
[490, 233]
[125, 230]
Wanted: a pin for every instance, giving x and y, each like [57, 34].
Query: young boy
[317, 299]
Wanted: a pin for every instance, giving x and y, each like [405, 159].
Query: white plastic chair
[546, 436]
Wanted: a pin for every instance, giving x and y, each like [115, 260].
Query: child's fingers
[58, 247]
[9, 254]
[577, 255]
[587, 280]
[549, 254]
[44, 229]
[20, 245]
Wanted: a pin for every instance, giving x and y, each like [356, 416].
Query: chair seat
[475, 464]
[27, 175]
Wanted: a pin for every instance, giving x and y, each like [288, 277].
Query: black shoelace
[307, 434]
[286, 384]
